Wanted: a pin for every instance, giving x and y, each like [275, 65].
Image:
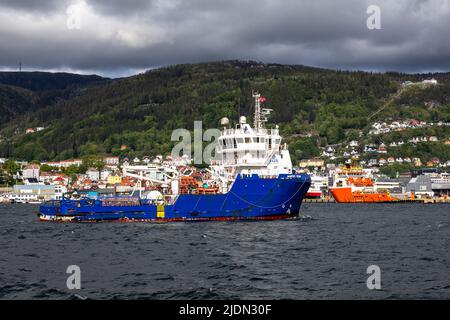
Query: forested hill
[22, 92]
[135, 116]
[45, 81]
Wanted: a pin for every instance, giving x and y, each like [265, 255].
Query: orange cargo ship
[353, 187]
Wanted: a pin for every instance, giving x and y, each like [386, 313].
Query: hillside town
[379, 153]
[39, 182]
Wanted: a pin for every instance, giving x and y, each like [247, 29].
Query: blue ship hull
[250, 198]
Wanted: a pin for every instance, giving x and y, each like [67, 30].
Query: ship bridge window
[247, 140]
[240, 140]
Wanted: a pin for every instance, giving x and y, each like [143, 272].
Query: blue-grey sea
[323, 255]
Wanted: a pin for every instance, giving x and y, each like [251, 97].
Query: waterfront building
[440, 184]
[31, 171]
[420, 186]
[95, 175]
[65, 163]
[36, 192]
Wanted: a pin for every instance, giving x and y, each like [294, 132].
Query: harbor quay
[122, 176]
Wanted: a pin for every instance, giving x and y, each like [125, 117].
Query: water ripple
[323, 254]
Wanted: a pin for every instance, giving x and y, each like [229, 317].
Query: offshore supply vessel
[253, 179]
[353, 185]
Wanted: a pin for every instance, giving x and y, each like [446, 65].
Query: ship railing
[259, 131]
[256, 161]
[246, 147]
[264, 176]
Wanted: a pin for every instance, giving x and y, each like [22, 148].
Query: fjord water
[322, 256]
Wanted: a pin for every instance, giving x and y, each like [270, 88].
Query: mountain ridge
[139, 112]
[24, 92]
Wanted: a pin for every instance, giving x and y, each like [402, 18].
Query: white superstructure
[251, 150]
[244, 149]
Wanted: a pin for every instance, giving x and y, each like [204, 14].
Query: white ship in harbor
[319, 186]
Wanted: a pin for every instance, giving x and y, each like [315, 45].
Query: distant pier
[319, 200]
[406, 200]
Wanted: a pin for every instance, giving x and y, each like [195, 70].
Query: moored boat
[347, 195]
[319, 183]
[353, 185]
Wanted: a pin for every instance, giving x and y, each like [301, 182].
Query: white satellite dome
[154, 195]
[224, 122]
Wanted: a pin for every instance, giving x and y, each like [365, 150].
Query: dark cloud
[121, 7]
[33, 5]
[133, 35]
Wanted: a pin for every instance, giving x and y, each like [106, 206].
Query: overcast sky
[123, 37]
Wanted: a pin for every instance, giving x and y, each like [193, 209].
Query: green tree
[46, 168]
[12, 167]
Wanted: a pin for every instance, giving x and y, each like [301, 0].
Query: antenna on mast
[261, 114]
[257, 121]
